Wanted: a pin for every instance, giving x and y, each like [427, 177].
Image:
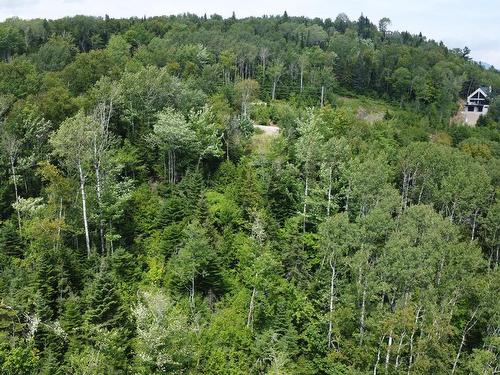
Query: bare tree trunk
[440, 271]
[263, 55]
[301, 79]
[362, 317]
[329, 192]
[378, 355]
[410, 360]
[170, 162]
[174, 167]
[169, 178]
[346, 207]
[476, 212]
[453, 207]
[421, 193]
[191, 293]
[332, 295]
[97, 169]
[471, 323]
[405, 190]
[84, 208]
[59, 224]
[304, 213]
[171, 166]
[388, 353]
[111, 246]
[164, 166]
[399, 349]
[14, 179]
[322, 95]
[251, 307]
[273, 96]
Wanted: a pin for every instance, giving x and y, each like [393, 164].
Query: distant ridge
[484, 64]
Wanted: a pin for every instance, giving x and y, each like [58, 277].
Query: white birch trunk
[404, 197]
[97, 169]
[329, 192]
[346, 207]
[476, 212]
[399, 349]
[84, 208]
[301, 79]
[471, 323]
[410, 360]
[251, 308]
[378, 355]
[332, 295]
[362, 317]
[304, 213]
[14, 179]
[59, 224]
[388, 352]
[191, 293]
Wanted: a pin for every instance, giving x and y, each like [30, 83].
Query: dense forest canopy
[147, 226]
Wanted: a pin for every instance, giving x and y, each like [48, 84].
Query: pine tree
[46, 296]
[105, 308]
[10, 241]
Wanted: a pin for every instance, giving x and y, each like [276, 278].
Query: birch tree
[275, 72]
[264, 55]
[209, 133]
[163, 334]
[335, 162]
[246, 91]
[303, 64]
[11, 148]
[23, 144]
[194, 260]
[171, 134]
[308, 148]
[106, 95]
[337, 236]
[73, 144]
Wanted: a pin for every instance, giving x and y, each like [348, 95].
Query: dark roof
[486, 90]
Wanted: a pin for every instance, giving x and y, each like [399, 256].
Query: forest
[147, 226]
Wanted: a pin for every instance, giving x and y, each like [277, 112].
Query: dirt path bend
[268, 129]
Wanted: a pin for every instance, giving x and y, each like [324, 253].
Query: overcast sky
[458, 23]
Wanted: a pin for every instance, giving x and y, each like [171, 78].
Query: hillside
[154, 220]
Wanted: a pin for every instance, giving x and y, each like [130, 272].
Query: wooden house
[478, 101]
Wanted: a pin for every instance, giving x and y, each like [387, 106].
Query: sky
[458, 23]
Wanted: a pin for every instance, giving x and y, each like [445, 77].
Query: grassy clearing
[261, 142]
[367, 109]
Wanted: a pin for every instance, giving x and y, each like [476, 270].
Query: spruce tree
[105, 307]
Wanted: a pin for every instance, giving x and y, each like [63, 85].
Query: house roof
[484, 90]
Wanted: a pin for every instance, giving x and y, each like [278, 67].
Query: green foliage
[20, 360]
[11, 40]
[18, 77]
[165, 340]
[55, 54]
[105, 307]
[141, 230]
